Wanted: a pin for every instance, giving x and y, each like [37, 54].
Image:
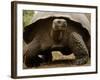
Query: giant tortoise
[57, 31]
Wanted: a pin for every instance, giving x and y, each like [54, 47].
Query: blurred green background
[27, 17]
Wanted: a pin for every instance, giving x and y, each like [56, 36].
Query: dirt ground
[60, 60]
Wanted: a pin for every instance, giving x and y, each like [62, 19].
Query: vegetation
[27, 17]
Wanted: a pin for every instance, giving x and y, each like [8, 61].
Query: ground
[60, 60]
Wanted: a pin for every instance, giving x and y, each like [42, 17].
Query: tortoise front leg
[30, 54]
[79, 48]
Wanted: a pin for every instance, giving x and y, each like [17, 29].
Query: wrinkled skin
[55, 34]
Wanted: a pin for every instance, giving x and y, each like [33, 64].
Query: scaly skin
[79, 48]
